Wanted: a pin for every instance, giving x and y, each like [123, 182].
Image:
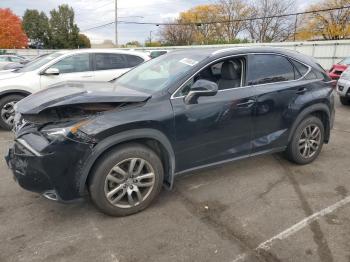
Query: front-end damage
[50, 147]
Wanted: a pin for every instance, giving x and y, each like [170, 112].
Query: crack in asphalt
[211, 218]
[323, 250]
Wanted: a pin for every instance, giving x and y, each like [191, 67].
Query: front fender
[109, 142]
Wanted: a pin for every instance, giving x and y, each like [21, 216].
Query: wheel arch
[319, 110]
[152, 138]
[14, 92]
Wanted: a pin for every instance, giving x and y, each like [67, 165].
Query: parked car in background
[123, 140]
[80, 65]
[156, 53]
[343, 87]
[15, 65]
[9, 59]
[339, 68]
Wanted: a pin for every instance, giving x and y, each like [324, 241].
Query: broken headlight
[72, 132]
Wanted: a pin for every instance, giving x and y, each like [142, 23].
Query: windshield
[345, 61]
[160, 72]
[37, 63]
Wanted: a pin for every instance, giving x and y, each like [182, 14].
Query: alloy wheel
[309, 141]
[8, 113]
[129, 183]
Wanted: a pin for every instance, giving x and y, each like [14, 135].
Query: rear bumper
[53, 171]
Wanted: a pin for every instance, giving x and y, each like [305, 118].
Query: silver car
[11, 59]
[343, 87]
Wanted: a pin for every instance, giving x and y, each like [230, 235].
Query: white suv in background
[343, 87]
[75, 65]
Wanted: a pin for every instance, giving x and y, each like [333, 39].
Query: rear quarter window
[301, 69]
[110, 61]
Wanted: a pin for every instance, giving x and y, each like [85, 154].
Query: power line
[222, 21]
[99, 26]
[110, 23]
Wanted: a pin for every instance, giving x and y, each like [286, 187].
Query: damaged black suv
[120, 142]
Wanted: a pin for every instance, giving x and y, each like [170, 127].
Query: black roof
[222, 52]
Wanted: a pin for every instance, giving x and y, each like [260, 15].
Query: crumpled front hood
[76, 93]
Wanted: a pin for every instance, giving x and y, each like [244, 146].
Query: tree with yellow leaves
[203, 28]
[207, 24]
[329, 25]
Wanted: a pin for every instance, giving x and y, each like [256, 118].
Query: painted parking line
[266, 245]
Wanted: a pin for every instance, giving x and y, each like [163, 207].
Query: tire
[297, 150]
[344, 100]
[106, 176]
[5, 110]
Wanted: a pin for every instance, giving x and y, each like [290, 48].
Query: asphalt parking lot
[250, 210]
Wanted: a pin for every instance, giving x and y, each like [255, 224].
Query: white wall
[326, 52]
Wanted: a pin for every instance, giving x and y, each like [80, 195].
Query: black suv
[121, 141]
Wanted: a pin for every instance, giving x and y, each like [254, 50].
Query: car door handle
[301, 91]
[246, 104]
[87, 76]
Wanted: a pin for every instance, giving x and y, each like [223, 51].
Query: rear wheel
[126, 180]
[7, 111]
[344, 100]
[307, 141]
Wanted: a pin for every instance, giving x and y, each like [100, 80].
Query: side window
[133, 60]
[74, 64]
[227, 74]
[110, 61]
[266, 69]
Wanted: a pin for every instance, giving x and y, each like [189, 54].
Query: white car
[74, 65]
[343, 87]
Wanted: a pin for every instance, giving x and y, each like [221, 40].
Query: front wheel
[126, 180]
[307, 141]
[7, 111]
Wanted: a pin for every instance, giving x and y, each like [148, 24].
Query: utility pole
[116, 23]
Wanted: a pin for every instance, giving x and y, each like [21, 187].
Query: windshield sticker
[188, 61]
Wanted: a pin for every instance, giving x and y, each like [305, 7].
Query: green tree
[84, 41]
[65, 32]
[36, 26]
[133, 44]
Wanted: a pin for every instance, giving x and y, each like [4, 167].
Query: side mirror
[201, 88]
[52, 71]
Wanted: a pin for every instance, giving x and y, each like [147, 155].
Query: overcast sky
[90, 13]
